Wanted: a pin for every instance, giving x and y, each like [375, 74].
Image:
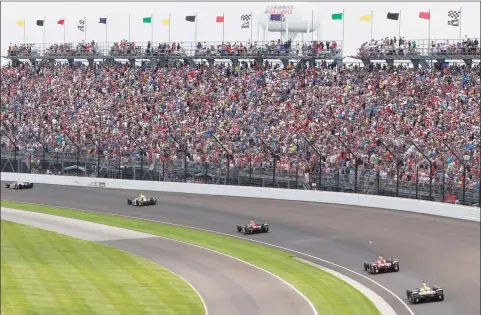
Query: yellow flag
[366, 18]
[166, 22]
[20, 22]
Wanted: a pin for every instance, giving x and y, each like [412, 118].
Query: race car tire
[441, 297]
[129, 201]
[396, 268]
[7, 185]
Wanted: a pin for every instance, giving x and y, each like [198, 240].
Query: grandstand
[392, 130]
[419, 52]
[162, 54]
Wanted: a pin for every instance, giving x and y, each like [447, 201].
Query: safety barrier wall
[391, 203]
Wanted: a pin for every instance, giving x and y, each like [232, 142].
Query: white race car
[19, 185]
[142, 201]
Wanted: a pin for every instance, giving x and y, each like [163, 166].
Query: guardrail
[417, 206]
[184, 49]
[259, 174]
[419, 53]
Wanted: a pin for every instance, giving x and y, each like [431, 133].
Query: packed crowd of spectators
[466, 47]
[272, 48]
[114, 104]
[72, 50]
[201, 49]
[15, 50]
[402, 47]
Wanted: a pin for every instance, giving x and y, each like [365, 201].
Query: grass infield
[329, 294]
[48, 273]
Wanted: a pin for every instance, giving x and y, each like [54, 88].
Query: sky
[117, 13]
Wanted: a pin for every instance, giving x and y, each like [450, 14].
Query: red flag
[219, 19]
[425, 15]
[61, 22]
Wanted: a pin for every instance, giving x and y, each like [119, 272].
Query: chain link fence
[184, 170]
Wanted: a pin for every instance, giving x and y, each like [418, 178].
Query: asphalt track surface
[226, 285]
[437, 250]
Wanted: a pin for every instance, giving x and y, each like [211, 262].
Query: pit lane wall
[391, 203]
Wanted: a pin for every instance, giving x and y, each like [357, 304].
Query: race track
[434, 249]
[226, 285]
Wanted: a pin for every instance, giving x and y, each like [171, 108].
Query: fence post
[320, 159]
[14, 146]
[228, 156]
[464, 171]
[250, 170]
[443, 191]
[430, 171]
[184, 149]
[398, 162]
[417, 180]
[141, 156]
[98, 154]
[78, 153]
[297, 175]
[356, 166]
[274, 156]
[43, 151]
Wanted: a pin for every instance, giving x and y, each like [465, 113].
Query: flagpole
[343, 19]
[85, 28]
[287, 29]
[24, 26]
[44, 27]
[399, 25]
[169, 28]
[129, 27]
[195, 43]
[250, 24]
[460, 36]
[312, 22]
[429, 38]
[152, 31]
[106, 34]
[223, 27]
[371, 24]
[64, 30]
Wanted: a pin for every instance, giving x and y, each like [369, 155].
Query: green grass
[45, 273]
[329, 294]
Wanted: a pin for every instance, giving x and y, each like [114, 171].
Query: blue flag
[275, 17]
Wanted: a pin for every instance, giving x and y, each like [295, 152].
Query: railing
[186, 49]
[341, 179]
[435, 49]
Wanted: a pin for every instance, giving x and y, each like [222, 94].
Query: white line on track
[129, 253]
[181, 278]
[245, 262]
[247, 239]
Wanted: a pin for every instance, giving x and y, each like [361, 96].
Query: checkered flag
[247, 20]
[246, 17]
[81, 25]
[453, 17]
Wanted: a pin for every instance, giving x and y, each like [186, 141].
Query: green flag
[147, 19]
[337, 16]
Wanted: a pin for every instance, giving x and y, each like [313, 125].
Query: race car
[253, 228]
[142, 201]
[425, 294]
[382, 266]
[19, 185]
